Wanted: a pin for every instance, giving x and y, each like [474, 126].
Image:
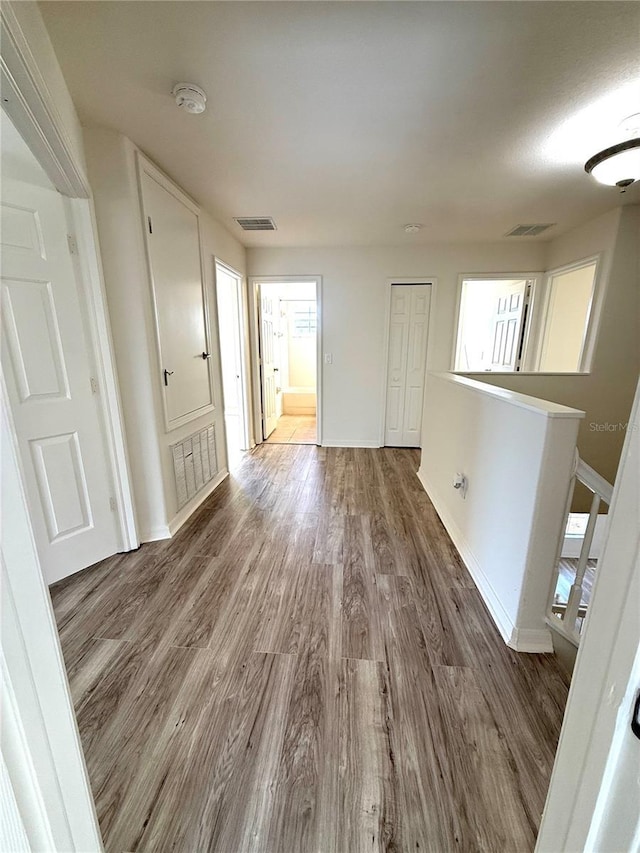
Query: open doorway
[231, 313]
[287, 332]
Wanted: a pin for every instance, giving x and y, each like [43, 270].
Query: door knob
[167, 374]
[206, 355]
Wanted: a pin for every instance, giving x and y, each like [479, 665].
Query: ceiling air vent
[528, 230]
[256, 223]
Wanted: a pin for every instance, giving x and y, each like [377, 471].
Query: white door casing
[507, 325]
[267, 356]
[48, 367]
[406, 364]
[173, 245]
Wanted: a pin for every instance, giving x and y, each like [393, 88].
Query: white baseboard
[532, 640]
[350, 442]
[179, 519]
[519, 639]
[155, 534]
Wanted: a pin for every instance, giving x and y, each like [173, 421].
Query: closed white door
[507, 325]
[47, 366]
[267, 369]
[174, 253]
[408, 335]
[231, 337]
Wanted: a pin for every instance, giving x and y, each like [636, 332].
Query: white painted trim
[254, 283]
[20, 772]
[431, 281]
[531, 640]
[351, 442]
[32, 109]
[34, 113]
[523, 401]
[245, 361]
[581, 792]
[536, 277]
[521, 640]
[588, 343]
[90, 271]
[157, 534]
[35, 680]
[187, 511]
[146, 166]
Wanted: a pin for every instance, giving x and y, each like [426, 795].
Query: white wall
[112, 174]
[354, 304]
[606, 393]
[301, 351]
[517, 453]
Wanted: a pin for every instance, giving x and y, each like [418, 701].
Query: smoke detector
[190, 97]
[412, 227]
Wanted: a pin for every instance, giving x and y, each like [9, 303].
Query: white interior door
[267, 369]
[507, 325]
[174, 253]
[46, 364]
[407, 360]
[230, 327]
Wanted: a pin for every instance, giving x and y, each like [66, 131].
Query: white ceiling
[345, 120]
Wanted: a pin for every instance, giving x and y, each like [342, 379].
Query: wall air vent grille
[529, 230]
[256, 223]
[195, 463]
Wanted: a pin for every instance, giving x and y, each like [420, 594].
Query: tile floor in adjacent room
[294, 429]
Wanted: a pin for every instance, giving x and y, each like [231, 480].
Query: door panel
[174, 252]
[408, 334]
[267, 353]
[33, 339]
[62, 485]
[46, 364]
[507, 325]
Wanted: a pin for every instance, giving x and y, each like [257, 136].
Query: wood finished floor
[306, 666]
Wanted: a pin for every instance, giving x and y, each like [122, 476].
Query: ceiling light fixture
[619, 165]
[412, 228]
[190, 97]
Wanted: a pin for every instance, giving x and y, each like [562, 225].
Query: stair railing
[568, 619]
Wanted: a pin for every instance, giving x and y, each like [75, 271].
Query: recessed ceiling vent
[529, 230]
[256, 223]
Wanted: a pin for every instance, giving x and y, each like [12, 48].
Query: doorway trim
[34, 113]
[432, 281]
[46, 768]
[244, 340]
[533, 318]
[254, 289]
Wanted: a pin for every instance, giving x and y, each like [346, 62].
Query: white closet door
[174, 254]
[46, 364]
[408, 335]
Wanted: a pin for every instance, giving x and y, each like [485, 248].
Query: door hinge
[112, 504]
[72, 243]
[94, 385]
[150, 224]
